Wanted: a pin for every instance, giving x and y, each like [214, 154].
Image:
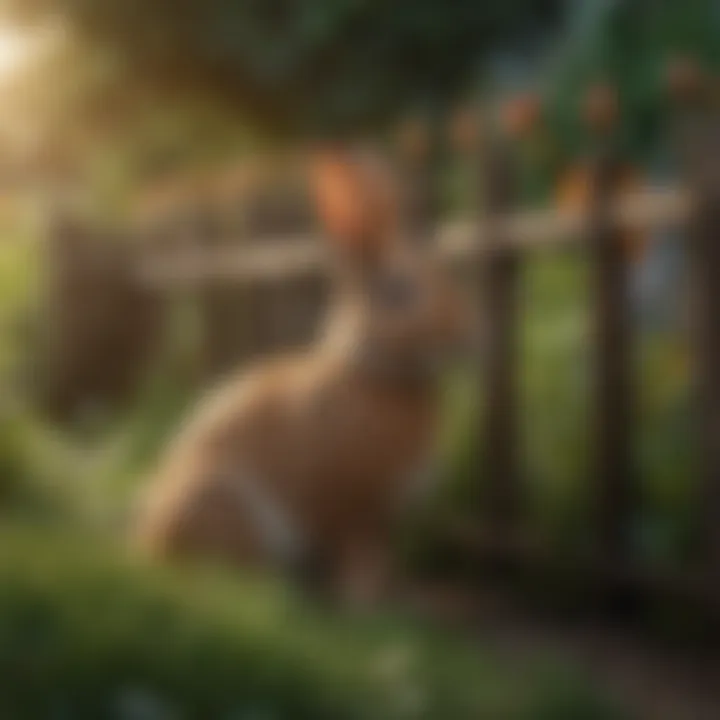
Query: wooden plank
[613, 421]
[102, 326]
[224, 316]
[422, 170]
[223, 308]
[458, 241]
[260, 328]
[700, 141]
[500, 289]
[307, 304]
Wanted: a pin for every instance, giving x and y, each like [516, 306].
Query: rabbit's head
[399, 309]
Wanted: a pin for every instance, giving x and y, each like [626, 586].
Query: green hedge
[85, 635]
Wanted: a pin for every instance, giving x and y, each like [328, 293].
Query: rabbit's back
[328, 450]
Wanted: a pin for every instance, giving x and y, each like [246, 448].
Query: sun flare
[17, 48]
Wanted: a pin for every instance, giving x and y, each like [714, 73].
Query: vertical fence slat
[103, 325]
[706, 281]
[705, 254]
[614, 389]
[500, 287]
[700, 146]
[262, 308]
[278, 313]
[223, 307]
[305, 304]
[422, 150]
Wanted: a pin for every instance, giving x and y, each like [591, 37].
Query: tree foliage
[299, 65]
[630, 44]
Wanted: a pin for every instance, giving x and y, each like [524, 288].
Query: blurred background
[155, 232]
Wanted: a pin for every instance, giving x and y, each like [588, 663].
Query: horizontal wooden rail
[191, 263]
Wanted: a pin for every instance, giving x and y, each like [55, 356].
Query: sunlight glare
[16, 48]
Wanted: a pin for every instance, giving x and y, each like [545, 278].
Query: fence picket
[615, 481]
[500, 286]
[699, 140]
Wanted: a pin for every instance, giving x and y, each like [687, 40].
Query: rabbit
[308, 461]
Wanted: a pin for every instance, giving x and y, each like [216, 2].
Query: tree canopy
[629, 44]
[296, 66]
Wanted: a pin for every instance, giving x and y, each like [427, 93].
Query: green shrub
[83, 635]
[36, 467]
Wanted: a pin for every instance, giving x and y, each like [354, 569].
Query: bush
[83, 635]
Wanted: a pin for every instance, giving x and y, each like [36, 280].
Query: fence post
[303, 305]
[699, 138]
[420, 148]
[102, 324]
[615, 482]
[500, 291]
[223, 304]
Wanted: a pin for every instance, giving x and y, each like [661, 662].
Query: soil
[651, 680]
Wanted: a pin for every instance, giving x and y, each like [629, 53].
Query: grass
[87, 634]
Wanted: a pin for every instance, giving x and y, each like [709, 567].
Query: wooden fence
[256, 297]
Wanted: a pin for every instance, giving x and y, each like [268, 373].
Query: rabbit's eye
[395, 291]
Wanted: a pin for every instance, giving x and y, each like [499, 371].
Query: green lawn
[86, 634]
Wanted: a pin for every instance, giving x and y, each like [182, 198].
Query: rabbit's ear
[356, 200]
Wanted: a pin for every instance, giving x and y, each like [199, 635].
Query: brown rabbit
[311, 457]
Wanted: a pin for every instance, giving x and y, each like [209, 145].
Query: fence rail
[191, 262]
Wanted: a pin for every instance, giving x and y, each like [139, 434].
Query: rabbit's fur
[312, 456]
